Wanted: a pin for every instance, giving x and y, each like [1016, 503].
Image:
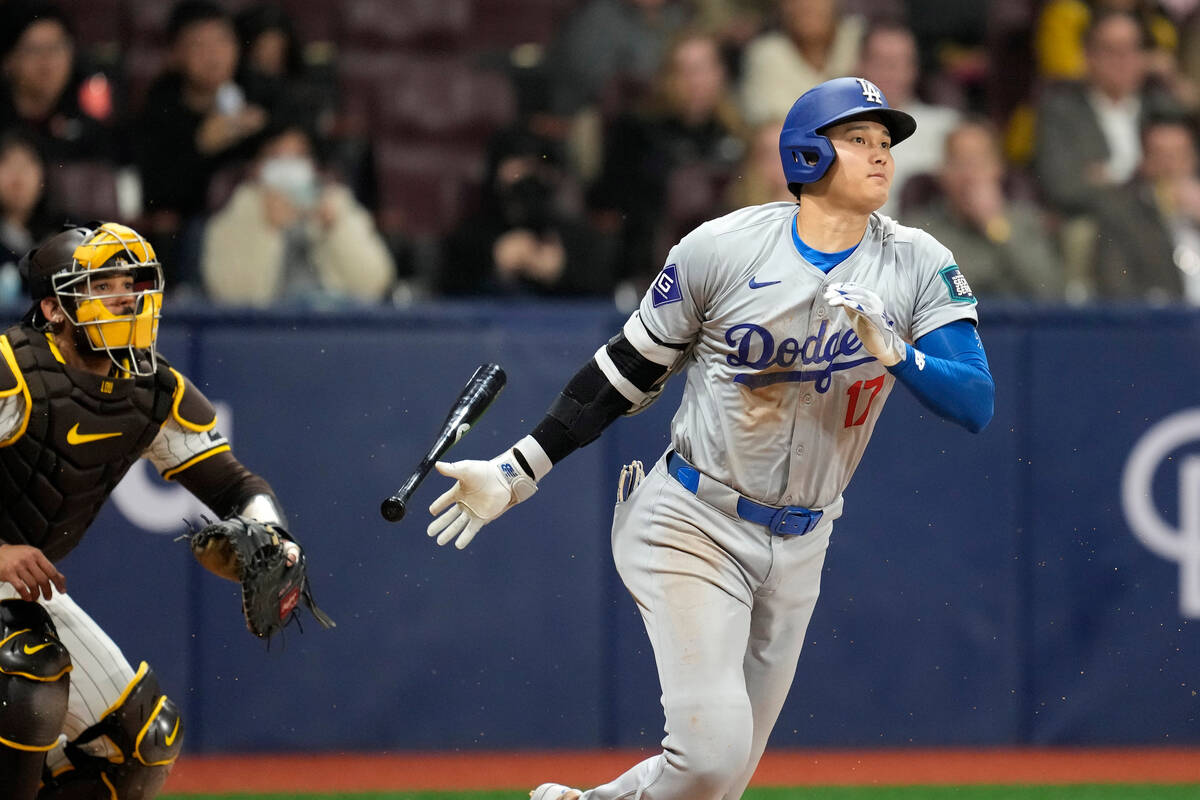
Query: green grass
[1075, 792]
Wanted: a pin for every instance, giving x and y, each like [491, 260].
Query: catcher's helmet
[806, 151]
[70, 264]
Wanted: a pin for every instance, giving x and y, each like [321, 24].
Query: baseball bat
[474, 399]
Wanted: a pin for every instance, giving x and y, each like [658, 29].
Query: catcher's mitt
[252, 553]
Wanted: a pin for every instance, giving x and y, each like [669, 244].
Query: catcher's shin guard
[34, 684]
[145, 726]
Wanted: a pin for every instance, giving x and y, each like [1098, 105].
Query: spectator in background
[815, 42]
[599, 64]
[889, 60]
[1000, 242]
[525, 240]
[25, 216]
[758, 178]
[607, 40]
[1062, 27]
[1088, 140]
[287, 236]
[273, 72]
[691, 122]
[1150, 233]
[68, 113]
[196, 120]
[733, 22]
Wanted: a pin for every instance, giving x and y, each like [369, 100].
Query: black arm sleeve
[589, 403]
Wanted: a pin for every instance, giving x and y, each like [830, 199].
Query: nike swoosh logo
[754, 285]
[31, 650]
[75, 437]
[170, 740]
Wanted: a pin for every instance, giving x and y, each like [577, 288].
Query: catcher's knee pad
[34, 680]
[145, 726]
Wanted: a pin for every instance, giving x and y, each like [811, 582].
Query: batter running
[793, 322]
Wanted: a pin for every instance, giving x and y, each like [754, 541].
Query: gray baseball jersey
[781, 397]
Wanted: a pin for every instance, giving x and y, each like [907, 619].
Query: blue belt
[785, 521]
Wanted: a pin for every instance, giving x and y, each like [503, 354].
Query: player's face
[116, 291]
[861, 175]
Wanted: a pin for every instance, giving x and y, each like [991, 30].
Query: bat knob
[392, 509]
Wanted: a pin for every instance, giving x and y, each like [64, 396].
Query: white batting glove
[873, 325]
[483, 490]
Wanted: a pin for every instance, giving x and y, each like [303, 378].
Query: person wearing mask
[287, 235]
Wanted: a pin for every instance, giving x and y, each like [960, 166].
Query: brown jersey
[78, 433]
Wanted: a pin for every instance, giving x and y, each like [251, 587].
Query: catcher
[83, 395]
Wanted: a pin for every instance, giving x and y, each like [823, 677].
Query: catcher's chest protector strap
[83, 434]
[34, 680]
[145, 725]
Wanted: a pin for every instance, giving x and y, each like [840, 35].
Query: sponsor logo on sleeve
[665, 288]
[956, 282]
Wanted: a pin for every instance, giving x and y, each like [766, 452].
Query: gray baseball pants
[726, 605]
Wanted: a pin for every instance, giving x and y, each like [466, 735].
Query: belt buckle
[794, 521]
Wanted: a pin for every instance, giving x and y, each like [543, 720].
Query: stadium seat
[86, 190]
[502, 24]
[314, 20]
[388, 24]
[141, 64]
[424, 189]
[445, 97]
[423, 97]
[96, 23]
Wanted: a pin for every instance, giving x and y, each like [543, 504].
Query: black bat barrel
[479, 393]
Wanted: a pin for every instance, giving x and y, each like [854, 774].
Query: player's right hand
[29, 572]
[483, 490]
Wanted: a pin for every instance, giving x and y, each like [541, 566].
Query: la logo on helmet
[870, 91]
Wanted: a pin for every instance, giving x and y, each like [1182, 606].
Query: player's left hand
[873, 325]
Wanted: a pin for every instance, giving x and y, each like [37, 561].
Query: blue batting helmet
[806, 151]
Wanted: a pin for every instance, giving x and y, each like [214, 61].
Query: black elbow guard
[587, 405]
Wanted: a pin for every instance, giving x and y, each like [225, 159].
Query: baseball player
[793, 322]
[83, 395]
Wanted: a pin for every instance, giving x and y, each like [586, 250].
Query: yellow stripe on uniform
[11, 358]
[143, 668]
[191, 462]
[137, 743]
[191, 426]
[29, 748]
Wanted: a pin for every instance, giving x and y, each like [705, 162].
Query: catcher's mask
[86, 270]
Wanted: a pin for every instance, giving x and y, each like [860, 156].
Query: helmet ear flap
[806, 160]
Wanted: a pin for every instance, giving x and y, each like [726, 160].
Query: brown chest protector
[83, 434]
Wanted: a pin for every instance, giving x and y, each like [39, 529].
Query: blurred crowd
[333, 154]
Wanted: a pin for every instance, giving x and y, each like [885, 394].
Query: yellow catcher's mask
[113, 294]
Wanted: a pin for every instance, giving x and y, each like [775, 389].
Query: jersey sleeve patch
[956, 283]
[665, 289]
[190, 407]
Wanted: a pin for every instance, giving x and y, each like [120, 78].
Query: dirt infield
[454, 771]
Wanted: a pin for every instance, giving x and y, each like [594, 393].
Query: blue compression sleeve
[948, 372]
